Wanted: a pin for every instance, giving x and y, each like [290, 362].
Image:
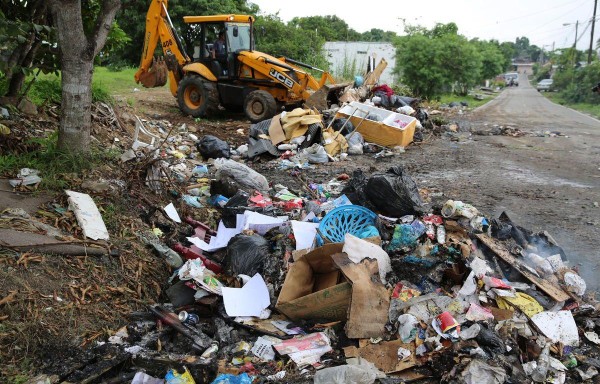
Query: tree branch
[103, 23]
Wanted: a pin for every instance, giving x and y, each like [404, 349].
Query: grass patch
[473, 102]
[105, 85]
[58, 169]
[590, 109]
[118, 82]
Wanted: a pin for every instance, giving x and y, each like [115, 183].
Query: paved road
[543, 183]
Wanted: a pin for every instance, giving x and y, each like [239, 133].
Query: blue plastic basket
[353, 219]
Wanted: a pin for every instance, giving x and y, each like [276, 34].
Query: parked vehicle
[545, 85]
[511, 78]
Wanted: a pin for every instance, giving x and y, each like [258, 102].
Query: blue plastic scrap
[226, 378]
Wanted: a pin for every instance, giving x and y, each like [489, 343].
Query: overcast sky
[540, 20]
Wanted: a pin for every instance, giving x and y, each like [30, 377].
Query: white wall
[339, 51]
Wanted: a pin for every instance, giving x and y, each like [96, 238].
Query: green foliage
[437, 61]
[420, 65]
[46, 90]
[376, 34]
[525, 51]
[25, 40]
[55, 166]
[493, 60]
[463, 63]
[329, 28]
[542, 72]
[273, 36]
[116, 40]
[592, 109]
[347, 70]
[575, 84]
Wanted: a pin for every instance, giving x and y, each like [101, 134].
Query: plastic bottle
[173, 259]
[543, 363]
[211, 351]
[441, 234]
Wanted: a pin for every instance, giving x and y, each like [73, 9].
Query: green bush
[45, 90]
[575, 84]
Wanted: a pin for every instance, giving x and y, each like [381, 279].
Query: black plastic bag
[355, 189]
[211, 147]
[500, 230]
[394, 193]
[246, 254]
[339, 123]
[237, 204]
[489, 341]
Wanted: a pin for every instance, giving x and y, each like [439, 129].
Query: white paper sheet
[250, 300]
[261, 223]
[219, 241]
[172, 213]
[263, 348]
[558, 326]
[304, 233]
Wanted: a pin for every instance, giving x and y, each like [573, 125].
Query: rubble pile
[356, 279]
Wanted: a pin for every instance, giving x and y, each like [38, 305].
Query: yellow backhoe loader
[225, 69]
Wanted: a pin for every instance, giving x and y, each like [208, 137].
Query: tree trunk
[75, 121]
[15, 84]
[77, 65]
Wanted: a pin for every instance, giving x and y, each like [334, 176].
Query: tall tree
[24, 41]
[78, 49]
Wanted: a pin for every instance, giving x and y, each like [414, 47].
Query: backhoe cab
[224, 68]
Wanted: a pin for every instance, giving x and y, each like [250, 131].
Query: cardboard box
[380, 132]
[315, 287]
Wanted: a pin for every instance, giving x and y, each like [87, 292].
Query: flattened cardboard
[385, 355]
[276, 133]
[370, 302]
[315, 288]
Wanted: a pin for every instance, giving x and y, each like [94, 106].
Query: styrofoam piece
[87, 215]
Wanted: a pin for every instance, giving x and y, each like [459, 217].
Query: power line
[534, 13]
[553, 20]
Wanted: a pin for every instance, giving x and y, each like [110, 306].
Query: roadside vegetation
[572, 80]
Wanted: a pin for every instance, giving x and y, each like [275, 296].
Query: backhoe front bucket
[324, 96]
[157, 74]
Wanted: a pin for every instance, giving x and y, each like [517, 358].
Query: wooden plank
[373, 77]
[498, 248]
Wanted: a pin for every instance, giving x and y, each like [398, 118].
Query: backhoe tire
[260, 105]
[197, 97]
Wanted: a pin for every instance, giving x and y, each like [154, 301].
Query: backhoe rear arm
[157, 28]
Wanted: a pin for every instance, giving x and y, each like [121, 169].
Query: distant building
[526, 68]
[344, 56]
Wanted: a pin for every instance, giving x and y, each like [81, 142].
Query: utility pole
[592, 35]
[576, 28]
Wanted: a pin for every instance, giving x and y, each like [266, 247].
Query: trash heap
[355, 280]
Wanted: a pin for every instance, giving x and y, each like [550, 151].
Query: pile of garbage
[355, 280]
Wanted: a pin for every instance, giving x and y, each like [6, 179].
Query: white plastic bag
[344, 374]
[316, 154]
[244, 175]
